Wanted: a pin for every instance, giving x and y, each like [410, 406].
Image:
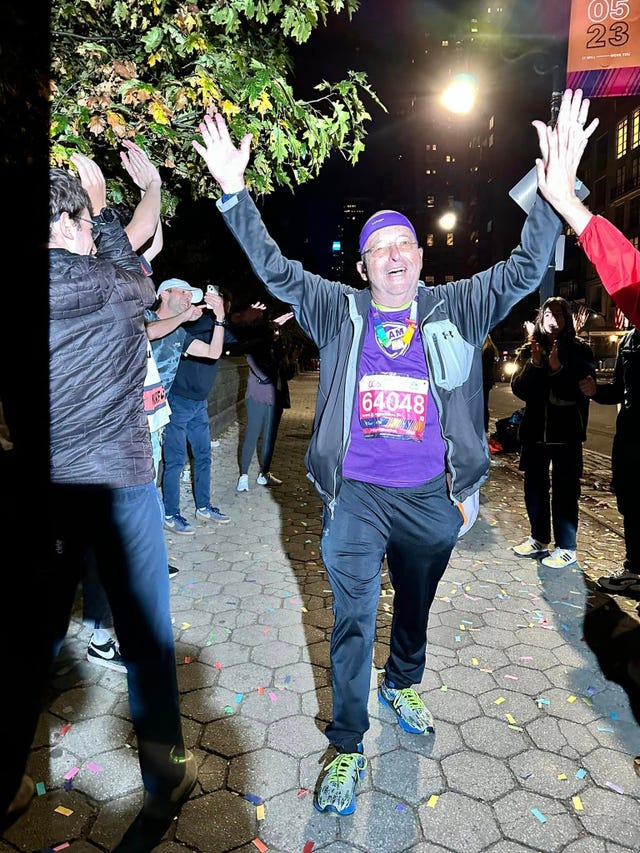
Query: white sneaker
[267, 480]
[559, 558]
[530, 548]
[243, 483]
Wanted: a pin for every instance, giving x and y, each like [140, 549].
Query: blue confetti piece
[604, 729]
[287, 679]
[254, 798]
[401, 808]
[614, 715]
[457, 639]
[239, 697]
[538, 815]
[543, 701]
[68, 785]
[40, 789]
[581, 773]
[591, 691]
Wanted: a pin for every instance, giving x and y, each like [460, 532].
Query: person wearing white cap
[398, 443]
[171, 341]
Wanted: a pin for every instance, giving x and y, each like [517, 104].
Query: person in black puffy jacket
[553, 428]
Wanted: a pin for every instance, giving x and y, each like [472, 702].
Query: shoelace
[341, 767]
[410, 698]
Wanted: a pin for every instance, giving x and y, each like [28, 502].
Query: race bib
[392, 406]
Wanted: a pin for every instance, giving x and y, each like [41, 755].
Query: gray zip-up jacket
[454, 320]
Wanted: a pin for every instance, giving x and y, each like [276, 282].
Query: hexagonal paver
[541, 822]
[264, 775]
[478, 776]
[409, 778]
[217, 821]
[493, 737]
[547, 773]
[233, 736]
[296, 736]
[458, 823]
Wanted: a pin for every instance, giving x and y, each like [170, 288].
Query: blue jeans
[123, 529]
[189, 423]
[552, 499]
[417, 529]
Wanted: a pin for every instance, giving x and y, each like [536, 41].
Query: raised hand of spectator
[226, 163]
[554, 359]
[139, 168]
[92, 180]
[282, 319]
[216, 302]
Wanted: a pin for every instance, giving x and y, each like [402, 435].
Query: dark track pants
[417, 529]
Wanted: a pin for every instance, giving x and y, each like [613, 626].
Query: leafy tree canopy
[148, 70]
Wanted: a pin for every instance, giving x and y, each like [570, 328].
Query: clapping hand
[282, 319]
[139, 168]
[554, 359]
[92, 180]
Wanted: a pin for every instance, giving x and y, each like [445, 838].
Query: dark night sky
[378, 40]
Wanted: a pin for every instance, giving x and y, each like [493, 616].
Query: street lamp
[447, 221]
[460, 95]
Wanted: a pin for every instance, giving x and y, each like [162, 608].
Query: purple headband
[382, 219]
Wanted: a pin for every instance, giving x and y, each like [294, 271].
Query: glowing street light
[447, 221]
[460, 95]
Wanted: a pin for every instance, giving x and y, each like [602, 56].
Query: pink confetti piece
[94, 768]
[273, 697]
[71, 773]
[615, 788]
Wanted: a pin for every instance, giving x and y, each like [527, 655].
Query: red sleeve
[617, 262]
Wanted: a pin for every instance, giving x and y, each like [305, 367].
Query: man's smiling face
[391, 263]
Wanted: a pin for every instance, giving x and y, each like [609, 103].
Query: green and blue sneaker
[340, 778]
[413, 715]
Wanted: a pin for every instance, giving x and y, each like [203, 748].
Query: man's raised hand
[226, 163]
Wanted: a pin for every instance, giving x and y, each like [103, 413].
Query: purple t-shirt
[395, 432]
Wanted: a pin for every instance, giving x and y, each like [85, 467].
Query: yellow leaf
[159, 112]
[262, 104]
[229, 109]
[153, 58]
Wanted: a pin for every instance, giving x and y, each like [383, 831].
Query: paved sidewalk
[534, 746]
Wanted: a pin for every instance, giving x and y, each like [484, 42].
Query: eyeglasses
[82, 219]
[405, 247]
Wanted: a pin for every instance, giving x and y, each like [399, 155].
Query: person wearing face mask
[549, 369]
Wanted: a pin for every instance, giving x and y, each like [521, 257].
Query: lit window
[444, 43]
[449, 278]
[431, 201]
[430, 240]
[635, 128]
[450, 238]
[621, 138]
[449, 158]
[429, 279]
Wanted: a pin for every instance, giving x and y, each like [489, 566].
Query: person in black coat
[548, 371]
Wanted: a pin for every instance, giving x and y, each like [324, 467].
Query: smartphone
[211, 288]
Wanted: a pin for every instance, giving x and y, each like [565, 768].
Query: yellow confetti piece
[562, 777]
[444, 688]
[577, 804]
[500, 700]
[474, 661]
[260, 812]
[304, 610]
[185, 625]
[510, 719]
[571, 699]
[62, 810]
[462, 628]
[433, 799]
[516, 728]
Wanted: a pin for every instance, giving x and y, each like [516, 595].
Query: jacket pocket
[450, 356]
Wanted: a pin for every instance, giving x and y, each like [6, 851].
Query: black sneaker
[106, 655]
[173, 571]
